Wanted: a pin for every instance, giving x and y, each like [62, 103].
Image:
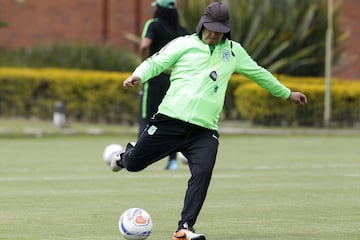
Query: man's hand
[298, 98]
[131, 81]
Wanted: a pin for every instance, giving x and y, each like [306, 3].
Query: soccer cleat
[172, 165]
[115, 163]
[186, 234]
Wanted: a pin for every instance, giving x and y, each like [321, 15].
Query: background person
[157, 32]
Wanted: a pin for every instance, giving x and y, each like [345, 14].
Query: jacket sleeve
[247, 67]
[160, 61]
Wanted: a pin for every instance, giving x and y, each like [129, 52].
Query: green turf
[264, 187]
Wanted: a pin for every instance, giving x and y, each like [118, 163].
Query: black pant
[165, 135]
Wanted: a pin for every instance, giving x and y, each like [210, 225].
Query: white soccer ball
[110, 150]
[135, 224]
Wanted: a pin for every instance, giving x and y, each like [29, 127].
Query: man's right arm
[131, 81]
[161, 60]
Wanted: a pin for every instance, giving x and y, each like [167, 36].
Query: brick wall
[36, 22]
[349, 66]
[33, 22]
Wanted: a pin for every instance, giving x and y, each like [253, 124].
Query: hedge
[98, 96]
[91, 96]
[260, 107]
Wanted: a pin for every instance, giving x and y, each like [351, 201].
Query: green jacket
[193, 96]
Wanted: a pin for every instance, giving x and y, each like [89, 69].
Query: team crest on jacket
[226, 55]
[152, 129]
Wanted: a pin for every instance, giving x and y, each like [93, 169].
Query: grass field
[264, 187]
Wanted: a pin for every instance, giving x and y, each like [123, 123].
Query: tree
[284, 36]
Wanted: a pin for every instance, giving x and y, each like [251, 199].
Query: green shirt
[193, 96]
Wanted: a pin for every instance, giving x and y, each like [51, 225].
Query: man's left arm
[247, 67]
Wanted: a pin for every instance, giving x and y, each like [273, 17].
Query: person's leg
[200, 150]
[172, 162]
[155, 93]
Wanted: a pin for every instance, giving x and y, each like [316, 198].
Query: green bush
[90, 96]
[284, 36]
[98, 96]
[75, 56]
[259, 106]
